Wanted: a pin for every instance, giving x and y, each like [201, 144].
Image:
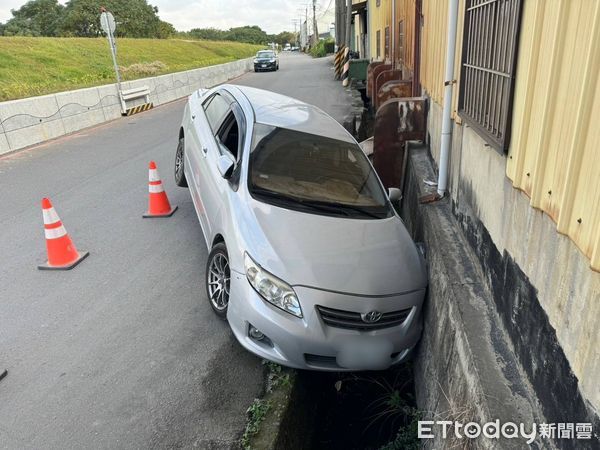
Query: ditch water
[363, 410]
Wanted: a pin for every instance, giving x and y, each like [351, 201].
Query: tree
[135, 18]
[249, 34]
[210, 34]
[35, 18]
[285, 37]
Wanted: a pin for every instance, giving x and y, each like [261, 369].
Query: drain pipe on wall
[447, 111]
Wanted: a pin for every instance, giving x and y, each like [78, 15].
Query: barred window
[488, 66]
[378, 44]
[401, 44]
[387, 43]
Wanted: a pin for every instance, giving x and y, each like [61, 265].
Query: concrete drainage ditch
[334, 411]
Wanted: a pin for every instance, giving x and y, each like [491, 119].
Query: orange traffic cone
[158, 203]
[62, 254]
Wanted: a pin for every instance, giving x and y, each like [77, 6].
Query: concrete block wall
[34, 120]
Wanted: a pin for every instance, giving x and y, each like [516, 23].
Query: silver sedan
[308, 262]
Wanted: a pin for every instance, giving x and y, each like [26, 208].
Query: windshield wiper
[309, 203]
[317, 204]
[345, 206]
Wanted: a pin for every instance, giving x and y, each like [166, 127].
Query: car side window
[215, 107]
[229, 134]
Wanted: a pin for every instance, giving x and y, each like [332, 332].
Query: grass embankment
[38, 66]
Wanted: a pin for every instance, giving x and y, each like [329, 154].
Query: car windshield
[265, 55]
[315, 174]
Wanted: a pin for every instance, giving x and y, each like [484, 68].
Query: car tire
[179, 164]
[217, 279]
[255, 69]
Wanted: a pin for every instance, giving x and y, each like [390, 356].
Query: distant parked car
[309, 262]
[266, 60]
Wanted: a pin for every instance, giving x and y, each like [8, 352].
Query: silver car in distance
[308, 262]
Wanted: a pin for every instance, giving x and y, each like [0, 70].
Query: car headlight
[272, 60]
[255, 61]
[275, 291]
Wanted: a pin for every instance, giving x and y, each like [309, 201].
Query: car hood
[354, 256]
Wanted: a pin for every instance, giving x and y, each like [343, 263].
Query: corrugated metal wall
[554, 155]
[433, 49]
[379, 18]
[405, 12]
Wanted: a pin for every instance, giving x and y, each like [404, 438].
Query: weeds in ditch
[278, 376]
[256, 414]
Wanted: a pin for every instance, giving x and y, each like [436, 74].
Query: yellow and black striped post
[346, 69]
[339, 62]
[138, 109]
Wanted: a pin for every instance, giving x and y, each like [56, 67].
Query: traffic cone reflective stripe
[62, 253]
[158, 202]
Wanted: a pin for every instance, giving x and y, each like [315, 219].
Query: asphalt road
[123, 351]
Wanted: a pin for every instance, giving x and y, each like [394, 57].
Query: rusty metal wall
[554, 156]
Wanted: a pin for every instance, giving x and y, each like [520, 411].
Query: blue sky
[272, 16]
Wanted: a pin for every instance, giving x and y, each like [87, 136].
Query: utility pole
[348, 29]
[315, 29]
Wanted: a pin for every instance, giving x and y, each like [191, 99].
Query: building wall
[379, 19]
[433, 51]
[554, 157]
[551, 309]
[405, 56]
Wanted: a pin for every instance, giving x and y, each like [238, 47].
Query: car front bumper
[309, 343]
[265, 66]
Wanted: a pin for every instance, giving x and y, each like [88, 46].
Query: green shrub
[322, 48]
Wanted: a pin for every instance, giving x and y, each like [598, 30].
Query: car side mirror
[225, 165]
[394, 194]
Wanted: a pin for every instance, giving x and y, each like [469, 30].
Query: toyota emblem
[371, 317]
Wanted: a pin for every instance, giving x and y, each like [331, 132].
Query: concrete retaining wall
[33, 120]
[543, 288]
[465, 369]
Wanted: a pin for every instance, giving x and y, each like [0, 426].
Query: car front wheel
[179, 174]
[217, 279]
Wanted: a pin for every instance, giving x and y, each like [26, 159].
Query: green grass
[38, 66]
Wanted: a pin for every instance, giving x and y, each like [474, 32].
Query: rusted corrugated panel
[554, 155]
[397, 121]
[382, 78]
[394, 89]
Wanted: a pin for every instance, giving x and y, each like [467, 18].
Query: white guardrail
[33, 120]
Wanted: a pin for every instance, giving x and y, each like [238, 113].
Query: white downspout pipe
[447, 111]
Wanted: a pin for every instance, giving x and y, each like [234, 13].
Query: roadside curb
[287, 424]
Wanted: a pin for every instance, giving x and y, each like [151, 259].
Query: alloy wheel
[218, 281]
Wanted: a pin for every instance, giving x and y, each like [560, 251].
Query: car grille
[352, 320]
[327, 362]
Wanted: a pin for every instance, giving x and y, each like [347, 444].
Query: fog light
[256, 334]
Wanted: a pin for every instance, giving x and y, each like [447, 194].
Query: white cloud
[272, 16]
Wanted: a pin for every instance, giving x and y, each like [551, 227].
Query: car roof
[287, 112]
